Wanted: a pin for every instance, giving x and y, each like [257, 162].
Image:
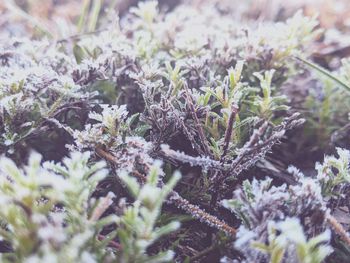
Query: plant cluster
[109, 118]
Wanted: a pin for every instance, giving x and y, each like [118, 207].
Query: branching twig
[200, 214]
[198, 125]
[182, 203]
[103, 205]
[185, 130]
[202, 161]
[338, 228]
[255, 149]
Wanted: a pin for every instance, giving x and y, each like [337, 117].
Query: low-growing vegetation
[171, 132]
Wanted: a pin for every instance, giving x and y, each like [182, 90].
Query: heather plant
[138, 225]
[326, 119]
[49, 213]
[116, 109]
[334, 172]
[291, 238]
[261, 207]
[268, 213]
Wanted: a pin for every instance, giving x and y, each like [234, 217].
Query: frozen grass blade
[83, 16]
[97, 4]
[325, 72]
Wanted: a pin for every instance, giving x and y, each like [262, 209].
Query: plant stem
[338, 228]
[229, 130]
[181, 202]
[196, 120]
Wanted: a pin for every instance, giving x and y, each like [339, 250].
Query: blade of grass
[83, 15]
[325, 72]
[96, 8]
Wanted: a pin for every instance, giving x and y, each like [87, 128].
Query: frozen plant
[137, 228]
[190, 86]
[334, 173]
[287, 242]
[47, 212]
[259, 203]
[108, 128]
